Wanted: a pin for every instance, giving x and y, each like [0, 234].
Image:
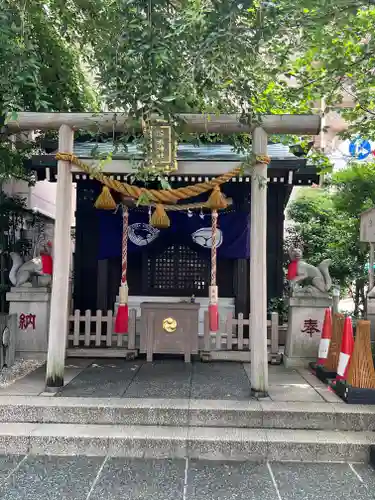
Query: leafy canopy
[41, 70]
[211, 56]
[250, 57]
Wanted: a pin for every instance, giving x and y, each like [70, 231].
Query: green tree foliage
[170, 56]
[326, 225]
[250, 57]
[41, 67]
[41, 70]
[227, 55]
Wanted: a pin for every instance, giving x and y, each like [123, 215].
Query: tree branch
[357, 101]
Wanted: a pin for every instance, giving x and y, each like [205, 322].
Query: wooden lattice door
[178, 270]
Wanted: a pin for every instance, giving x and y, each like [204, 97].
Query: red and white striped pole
[213, 310]
[122, 316]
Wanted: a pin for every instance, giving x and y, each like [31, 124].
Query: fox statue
[22, 272]
[306, 279]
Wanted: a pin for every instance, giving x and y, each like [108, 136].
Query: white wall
[41, 197]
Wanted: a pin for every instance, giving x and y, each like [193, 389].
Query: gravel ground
[20, 369]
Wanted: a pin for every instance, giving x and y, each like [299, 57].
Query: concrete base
[296, 362]
[32, 307]
[305, 323]
[37, 355]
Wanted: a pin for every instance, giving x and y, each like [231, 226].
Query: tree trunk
[360, 298]
[356, 299]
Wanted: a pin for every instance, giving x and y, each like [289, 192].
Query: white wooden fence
[93, 335]
[90, 335]
[233, 344]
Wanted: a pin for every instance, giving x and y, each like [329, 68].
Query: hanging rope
[122, 316]
[213, 310]
[213, 247]
[124, 258]
[154, 195]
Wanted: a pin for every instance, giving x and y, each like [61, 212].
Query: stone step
[190, 413]
[257, 445]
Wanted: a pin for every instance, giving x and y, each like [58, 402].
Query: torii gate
[66, 123]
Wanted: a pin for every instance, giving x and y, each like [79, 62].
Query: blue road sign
[360, 149]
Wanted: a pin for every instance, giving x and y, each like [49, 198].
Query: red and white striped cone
[325, 338]
[347, 346]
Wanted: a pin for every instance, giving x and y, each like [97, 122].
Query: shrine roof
[206, 160]
[187, 152]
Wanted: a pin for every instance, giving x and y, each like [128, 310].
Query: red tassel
[122, 319]
[213, 314]
[47, 264]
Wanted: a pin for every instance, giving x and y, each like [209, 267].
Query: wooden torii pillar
[258, 269]
[58, 321]
[224, 124]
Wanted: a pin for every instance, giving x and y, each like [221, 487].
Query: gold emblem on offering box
[169, 325]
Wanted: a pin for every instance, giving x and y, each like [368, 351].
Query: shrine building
[173, 264]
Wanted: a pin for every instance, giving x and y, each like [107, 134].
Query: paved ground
[171, 378]
[85, 478]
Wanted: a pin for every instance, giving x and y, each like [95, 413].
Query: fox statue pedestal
[305, 324]
[32, 307]
[309, 299]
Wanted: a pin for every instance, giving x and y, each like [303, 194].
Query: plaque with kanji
[310, 326]
[26, 321]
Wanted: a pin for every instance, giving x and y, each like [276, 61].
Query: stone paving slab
[103, 378]
[302, 392]
[139, 479]
[229, 481]
[51, 478]
[109, 478]
[321, 482]
[34, 383]
[220, 381]
[160, 379]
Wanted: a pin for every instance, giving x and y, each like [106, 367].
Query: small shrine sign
[367, 235]
[367, 228]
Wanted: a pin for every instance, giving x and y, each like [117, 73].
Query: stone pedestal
[371, 315]
[32, 307]
[305, 323]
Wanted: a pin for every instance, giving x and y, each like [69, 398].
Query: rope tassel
[217, 200]
[160, 218]
[122, 316]
[105, 200]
